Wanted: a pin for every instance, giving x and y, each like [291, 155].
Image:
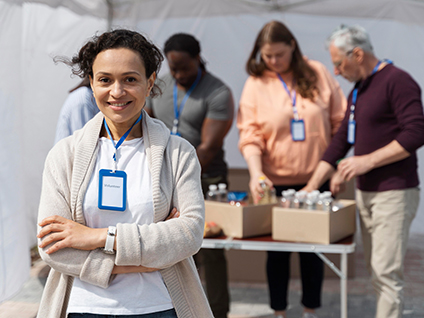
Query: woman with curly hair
[109, 226]
[289, 109]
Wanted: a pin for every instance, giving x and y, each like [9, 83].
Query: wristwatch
[110, 240]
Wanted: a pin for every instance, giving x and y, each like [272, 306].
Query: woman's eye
[131, 79]
[103, 80]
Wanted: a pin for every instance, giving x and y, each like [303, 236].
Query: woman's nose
[117, 89]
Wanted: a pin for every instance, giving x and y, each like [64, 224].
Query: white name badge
[175, 133]
[112, 190]
[351, 129]
[298, 130]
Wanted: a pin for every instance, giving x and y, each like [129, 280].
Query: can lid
[313, 195]
[327, 194]
[301, 194]
[291, 191]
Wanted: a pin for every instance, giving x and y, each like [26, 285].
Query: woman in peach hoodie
[289, 110]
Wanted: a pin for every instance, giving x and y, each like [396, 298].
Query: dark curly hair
[183, 42]
[82, 63]
[274, 32]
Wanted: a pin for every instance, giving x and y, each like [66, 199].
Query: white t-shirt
[135, 293]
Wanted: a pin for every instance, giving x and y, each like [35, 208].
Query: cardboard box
[240, 221]
[299, 225]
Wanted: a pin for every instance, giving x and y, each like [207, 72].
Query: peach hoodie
[264, 117]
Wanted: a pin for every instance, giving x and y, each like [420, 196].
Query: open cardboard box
[240, 221]
[313, 226]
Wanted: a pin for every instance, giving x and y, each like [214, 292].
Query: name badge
[175, 133]
[174, 130]
[351, 129]
[112, 190]
[298, 130]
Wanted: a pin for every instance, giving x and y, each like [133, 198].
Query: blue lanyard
[178, 110]
[122, 138]
[355, 91]
[292, 97]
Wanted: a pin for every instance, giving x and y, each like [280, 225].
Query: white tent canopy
[33, 88]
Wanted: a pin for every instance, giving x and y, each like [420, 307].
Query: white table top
[266, 243]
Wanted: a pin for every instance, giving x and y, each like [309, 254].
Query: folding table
[266, 243]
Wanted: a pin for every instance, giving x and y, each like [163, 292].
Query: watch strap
[110, 240]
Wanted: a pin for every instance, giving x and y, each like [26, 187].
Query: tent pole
[109, 4]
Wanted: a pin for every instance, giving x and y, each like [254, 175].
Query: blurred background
[33, 88]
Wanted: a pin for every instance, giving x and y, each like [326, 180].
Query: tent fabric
[33, 88]
[14, 270]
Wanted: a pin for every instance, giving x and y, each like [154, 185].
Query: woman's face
[120, 86]
[277, 56]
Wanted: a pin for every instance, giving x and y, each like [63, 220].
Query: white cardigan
[169, 245]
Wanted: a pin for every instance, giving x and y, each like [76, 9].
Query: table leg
[342, 273]
[343, 285]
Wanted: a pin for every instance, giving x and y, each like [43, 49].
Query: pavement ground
[251, 300]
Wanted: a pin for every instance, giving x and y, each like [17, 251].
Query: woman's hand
[67, 233]
[255, 187]
[132, 269]
[174, 214]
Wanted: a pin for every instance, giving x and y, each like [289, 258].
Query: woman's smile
[118, 106]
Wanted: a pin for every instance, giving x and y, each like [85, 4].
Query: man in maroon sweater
[385, 123]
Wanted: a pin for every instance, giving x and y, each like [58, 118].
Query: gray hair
[346, 38]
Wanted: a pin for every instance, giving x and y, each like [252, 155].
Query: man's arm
[352, 167]
[322, 173]
[212, 140]
[217, 123]
[359, 165]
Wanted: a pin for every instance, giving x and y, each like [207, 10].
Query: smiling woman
[120, 88]
[116, 225]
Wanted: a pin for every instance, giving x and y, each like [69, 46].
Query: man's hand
[352, 167]
[337, 183]
[322, 173]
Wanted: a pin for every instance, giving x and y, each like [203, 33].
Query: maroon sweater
[388, 108]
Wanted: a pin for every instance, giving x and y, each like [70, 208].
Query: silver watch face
[111, 231]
